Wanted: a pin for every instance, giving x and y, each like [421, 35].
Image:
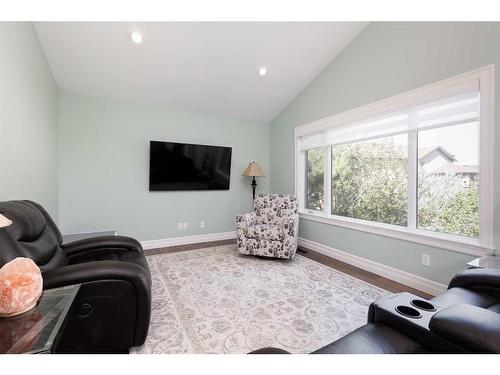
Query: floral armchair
[271, 229]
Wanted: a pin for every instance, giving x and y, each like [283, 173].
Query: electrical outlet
[202, 224]
[426, 260]
[179, 226]
[184, 226]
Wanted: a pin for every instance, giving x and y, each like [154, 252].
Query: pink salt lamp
[20, 286]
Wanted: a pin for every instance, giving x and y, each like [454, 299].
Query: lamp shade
[4, 222]
[253, 170]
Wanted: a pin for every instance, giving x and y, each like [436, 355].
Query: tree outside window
[369, 180]
[315, 159]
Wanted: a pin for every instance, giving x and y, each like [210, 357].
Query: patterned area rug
[214, 300]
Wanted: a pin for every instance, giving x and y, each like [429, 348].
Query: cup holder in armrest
[408, 311]
[423, 305]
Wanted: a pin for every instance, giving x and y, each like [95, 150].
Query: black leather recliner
[112, 309]
[468, 322]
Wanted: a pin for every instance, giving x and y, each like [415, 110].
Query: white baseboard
[414, 281]
[187, 240]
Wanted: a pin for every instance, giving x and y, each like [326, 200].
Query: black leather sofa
[467, 321]
[112, 309]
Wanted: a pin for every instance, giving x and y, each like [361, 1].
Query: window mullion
[486, 159]
[302, 179]
[327, 184]
[412, 172]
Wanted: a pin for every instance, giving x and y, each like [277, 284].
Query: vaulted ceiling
[209, 67]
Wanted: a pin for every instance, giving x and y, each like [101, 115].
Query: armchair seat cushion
[266, 232]
[268, 216]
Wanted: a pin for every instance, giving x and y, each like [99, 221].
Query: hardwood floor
[359, 273]
[173, 249]
[374, 279]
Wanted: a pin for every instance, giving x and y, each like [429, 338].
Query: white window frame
[469, 246]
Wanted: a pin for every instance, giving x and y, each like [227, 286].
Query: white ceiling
[207, 67]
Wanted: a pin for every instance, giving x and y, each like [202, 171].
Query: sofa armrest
[102, 271]
[484, 280]
[98, 246]
[95, 271]
[470, 327]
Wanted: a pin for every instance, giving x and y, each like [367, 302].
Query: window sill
[447, 242]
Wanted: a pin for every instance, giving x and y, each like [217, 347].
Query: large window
[417, 166]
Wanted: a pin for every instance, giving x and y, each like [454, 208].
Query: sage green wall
[387, 59]
[28, 119]
[104, 167]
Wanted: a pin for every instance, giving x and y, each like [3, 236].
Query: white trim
[327, 184]
[300, 174]
[442, 241]
[486, 154]
[412, 173]
[187, 240]
[411, 280]
[394, 103]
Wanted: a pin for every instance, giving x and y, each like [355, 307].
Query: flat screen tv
[182, 166]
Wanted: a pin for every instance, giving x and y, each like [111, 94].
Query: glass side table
[36, 331]
[487, 261]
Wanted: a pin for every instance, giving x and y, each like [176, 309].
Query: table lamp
[253, 170]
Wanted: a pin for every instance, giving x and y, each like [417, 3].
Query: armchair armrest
[294, 217]
[101, 245]
[291, 233]
[470, 327]
[485, 280]
[243, 222]
[290, 224]
[246, 220]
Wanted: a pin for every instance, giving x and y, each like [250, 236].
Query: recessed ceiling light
[262, 71]
[136, 37]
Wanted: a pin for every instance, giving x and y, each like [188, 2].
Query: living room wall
[28, 119]
[104, 168]
[387, 59]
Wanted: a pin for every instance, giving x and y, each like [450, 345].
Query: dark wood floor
[173, 249]
[359, 273]
[374, 279]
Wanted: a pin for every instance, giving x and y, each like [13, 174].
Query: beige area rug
[215, 300]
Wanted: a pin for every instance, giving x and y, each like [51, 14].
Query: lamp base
[254, 185]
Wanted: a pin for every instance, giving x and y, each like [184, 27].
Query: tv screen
[181, 166]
